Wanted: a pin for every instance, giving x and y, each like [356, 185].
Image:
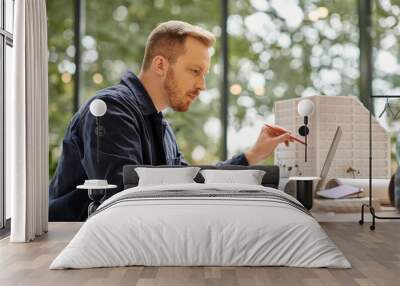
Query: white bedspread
[181, 231]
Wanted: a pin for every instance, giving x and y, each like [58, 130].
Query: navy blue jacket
[133, 132]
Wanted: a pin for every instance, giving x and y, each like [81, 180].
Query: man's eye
[195, 72]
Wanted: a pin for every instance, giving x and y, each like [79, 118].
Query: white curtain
[27, 123]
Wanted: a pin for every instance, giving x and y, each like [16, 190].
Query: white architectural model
[353, 149]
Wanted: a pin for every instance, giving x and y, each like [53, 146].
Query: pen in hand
[279, 131]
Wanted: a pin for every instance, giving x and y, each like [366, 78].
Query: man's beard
[176, 102]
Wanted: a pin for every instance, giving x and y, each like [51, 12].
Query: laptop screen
[329, 159]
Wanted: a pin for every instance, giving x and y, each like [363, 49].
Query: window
[113, 41]
[287, 49]
[277, 50]
[8, 17]
[386, 79]
[114, 44]
[60, 29]
[386, 48]
[6, 43]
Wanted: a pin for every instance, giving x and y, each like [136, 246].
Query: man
[173, 72]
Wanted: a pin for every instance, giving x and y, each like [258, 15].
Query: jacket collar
[134, 84]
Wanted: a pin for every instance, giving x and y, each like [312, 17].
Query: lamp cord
[98, 139]
[305, 137]
[305, 154]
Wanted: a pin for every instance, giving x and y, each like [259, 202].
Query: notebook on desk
[342, 191]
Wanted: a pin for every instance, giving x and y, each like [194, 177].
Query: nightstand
[304, 190]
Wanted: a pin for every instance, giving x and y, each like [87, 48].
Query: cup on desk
[304, 190]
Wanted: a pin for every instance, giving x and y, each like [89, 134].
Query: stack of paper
[340, 191]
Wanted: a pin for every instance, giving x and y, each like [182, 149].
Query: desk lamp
[98, 108]
[96, 187]
[305, 108]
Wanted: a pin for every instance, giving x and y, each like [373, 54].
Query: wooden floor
[374, 255]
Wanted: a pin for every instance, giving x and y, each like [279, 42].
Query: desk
[304, 190]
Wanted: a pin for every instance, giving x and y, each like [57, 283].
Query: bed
[201, 224]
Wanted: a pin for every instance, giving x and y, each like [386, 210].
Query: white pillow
[162, 176]
[249, 177]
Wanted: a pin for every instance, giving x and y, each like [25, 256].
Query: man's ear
[160, 65]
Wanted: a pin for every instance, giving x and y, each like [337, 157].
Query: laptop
[290, 186]
[329, 159]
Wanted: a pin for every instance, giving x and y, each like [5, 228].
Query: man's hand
[265, 145]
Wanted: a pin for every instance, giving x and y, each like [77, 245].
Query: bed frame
[270, 179]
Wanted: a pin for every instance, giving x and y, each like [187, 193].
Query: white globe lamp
[305, 108]
[98, 108]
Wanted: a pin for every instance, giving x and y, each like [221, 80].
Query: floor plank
[375, 257]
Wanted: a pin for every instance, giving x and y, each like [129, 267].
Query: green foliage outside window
[277, 50]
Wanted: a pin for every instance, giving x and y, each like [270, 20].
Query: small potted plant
[288, 169]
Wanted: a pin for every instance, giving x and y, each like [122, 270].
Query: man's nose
[201, 83]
